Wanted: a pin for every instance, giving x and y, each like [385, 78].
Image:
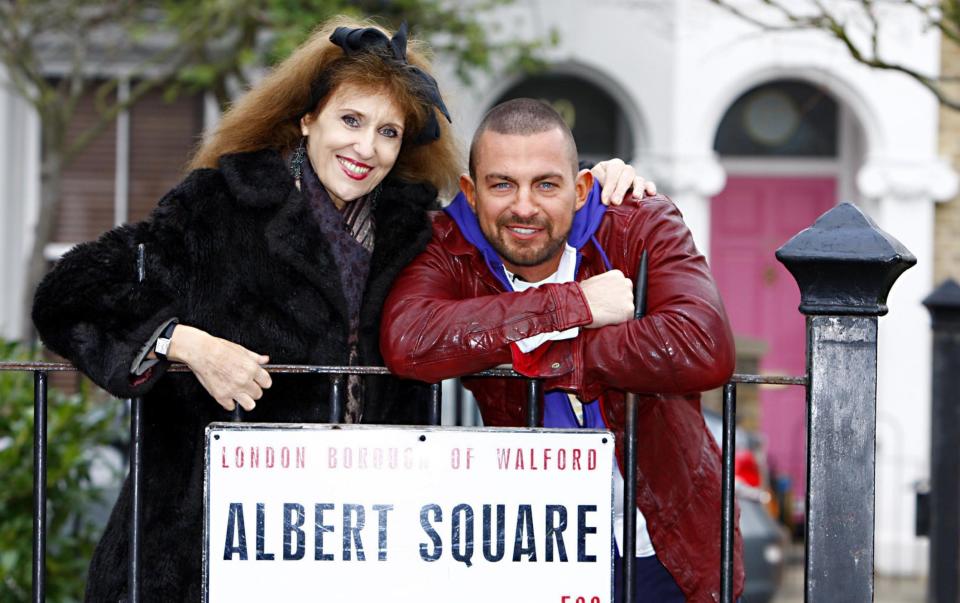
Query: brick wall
[947, 217]
[162, 135]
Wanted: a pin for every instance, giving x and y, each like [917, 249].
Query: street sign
[348, 514]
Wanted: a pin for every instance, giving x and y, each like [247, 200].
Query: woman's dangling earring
[296, 162]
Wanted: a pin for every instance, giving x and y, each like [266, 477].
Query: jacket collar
[258, 178]
[402, 232]
[261, 179]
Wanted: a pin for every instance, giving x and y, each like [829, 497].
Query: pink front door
[750, 219]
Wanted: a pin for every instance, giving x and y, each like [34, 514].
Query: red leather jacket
[447, 315]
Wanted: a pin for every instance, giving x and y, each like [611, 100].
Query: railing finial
[844, 264]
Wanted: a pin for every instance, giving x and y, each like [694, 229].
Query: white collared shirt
[564, 274]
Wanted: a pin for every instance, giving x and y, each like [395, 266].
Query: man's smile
[524, 232]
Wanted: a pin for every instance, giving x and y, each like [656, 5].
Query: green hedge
[79, 426]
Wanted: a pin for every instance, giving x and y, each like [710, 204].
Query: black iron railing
[337, 378]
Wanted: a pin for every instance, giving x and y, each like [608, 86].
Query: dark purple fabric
[352, 260]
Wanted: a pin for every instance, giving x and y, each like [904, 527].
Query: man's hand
[610, 297]
[228, 371]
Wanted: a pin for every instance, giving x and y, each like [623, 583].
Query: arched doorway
[789, 150]
[597, 120]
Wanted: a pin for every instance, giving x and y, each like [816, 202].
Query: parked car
[764, 540]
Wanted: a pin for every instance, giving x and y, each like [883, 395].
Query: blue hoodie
[557, 411]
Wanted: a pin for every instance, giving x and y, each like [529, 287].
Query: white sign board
[354, 514]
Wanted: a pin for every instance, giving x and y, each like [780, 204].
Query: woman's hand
[229, 372]
[617, 178]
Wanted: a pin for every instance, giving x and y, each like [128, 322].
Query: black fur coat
[235, 252]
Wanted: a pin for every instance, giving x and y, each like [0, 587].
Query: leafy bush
[80, 427]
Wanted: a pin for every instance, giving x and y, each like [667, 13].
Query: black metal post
[436, 403]
[727, 521]
[632, 401]
[534, 402]
[458, 403]
[39, 486]
[844, 266]
[629, 552]
[336, 398]
[136, 505]
[943, 585]
[136, 466]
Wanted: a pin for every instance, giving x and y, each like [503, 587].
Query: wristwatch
[163, 341]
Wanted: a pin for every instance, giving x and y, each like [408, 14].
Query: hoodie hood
[585, 224]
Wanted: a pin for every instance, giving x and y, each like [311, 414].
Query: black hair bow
[371, 39]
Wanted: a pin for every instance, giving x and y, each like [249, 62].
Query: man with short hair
[527, 267]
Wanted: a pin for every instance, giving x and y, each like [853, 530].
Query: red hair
[268, 115]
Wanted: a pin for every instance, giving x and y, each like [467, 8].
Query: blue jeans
[654, 583]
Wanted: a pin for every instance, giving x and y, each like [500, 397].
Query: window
[786, 118]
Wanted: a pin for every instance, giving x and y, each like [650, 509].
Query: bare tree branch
[943, 15]
[874, 27]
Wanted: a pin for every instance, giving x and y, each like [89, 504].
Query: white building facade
[19, 201]
[672, 71]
